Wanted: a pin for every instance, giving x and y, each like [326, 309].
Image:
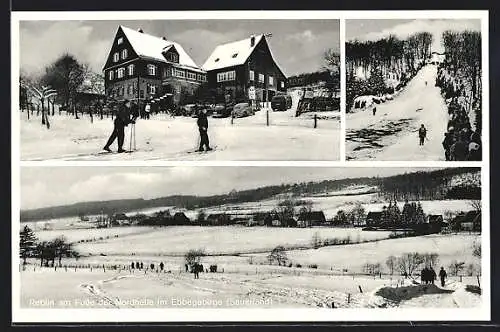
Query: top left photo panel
[178, 89]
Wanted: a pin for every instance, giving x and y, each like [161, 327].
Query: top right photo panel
[413, 90]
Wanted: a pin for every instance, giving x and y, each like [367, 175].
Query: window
[217, 60]
[121, 72]
[180, 73]
[261, 78]
[252, 75]
[124, 54]
[172, 57]
[191, 76]
[271, 80]
[111, 75]
[151, 70]
[131, 70]
[200, 77]
[166, 72]
[151, 89]
[116, 57]
[235, 55]
[120, 41]
[226, 76]
[282, 84]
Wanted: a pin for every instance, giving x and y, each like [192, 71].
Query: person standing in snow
[374, 111]
[147, 111]
[203, 128]
[432, 275]
[161, 266]
[447, 142]
[422, 134]
[121, 121]
[460, 149]
[442, 276]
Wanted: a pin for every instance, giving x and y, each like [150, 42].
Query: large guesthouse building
[143, 67]
[237, 67]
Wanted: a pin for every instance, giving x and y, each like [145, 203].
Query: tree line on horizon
[414, 186]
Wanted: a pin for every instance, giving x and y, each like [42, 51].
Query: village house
[142, 67]
[311, 218]
[374, 218]
[235, 68]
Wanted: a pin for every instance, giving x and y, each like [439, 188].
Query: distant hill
[439, 184]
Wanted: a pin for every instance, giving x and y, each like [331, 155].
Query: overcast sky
[377, 29]
[298, 45]
[50, 186]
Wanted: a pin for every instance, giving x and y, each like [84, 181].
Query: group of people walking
[140, 266]
[428, 276]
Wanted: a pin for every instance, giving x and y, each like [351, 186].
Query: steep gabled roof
[224, 55]
[148, 46]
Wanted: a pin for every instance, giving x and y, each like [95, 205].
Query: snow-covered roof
[231, 54]
[146, 45]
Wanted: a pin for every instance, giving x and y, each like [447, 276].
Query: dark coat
[202, 121]
[422, 132]
[123, 115]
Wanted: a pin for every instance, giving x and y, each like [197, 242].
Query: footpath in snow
[168, 138]
[392, 134]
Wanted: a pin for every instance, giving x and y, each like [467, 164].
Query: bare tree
[278, 255]
[391, 263]
[193, 256]
[409, 262]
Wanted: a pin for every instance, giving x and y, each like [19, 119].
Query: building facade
[236, 68]
[143, 67]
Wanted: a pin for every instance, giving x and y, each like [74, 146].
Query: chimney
[252, 40]
[164, 38]
[140, 30]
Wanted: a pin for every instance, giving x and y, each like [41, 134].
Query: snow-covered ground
[240, 283]
[167, 138]
[219, 240]
[392, 134]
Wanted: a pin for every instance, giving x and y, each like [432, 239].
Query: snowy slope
[417, 104]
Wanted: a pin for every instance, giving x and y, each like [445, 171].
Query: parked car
[241, 110]
[221, 111]
[281, 102]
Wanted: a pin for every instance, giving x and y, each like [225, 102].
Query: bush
[313, 266]
[298, 265]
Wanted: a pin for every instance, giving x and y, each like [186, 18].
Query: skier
[442, 276]
[121, 121]
[161, 266]
[203, 127]
[422, 133]
[374, 111]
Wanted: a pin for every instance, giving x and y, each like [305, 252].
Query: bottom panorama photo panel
[383, 240]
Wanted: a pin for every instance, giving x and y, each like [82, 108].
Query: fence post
[360, 290]
[349, 298]
[232, 118]
[478, 282]
[267, 117]
[315, 120]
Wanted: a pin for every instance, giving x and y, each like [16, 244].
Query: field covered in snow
[176, 240]
[168, 138]
[241, 283]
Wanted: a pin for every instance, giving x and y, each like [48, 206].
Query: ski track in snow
[417, 104]
[166, 138]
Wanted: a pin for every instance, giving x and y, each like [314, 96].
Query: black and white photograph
[251, 237]
[414, 89]
[232, 89]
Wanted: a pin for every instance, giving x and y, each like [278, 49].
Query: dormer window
[116, 57]
[124, 54]
[120, 41]
[235, 55]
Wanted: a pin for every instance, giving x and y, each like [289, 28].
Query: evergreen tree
[27, 243]
[419, 214]
[406, 215]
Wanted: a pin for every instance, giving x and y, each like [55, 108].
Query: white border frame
[239, 315]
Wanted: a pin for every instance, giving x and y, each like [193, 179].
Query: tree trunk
[43, 112]
[53, 108]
